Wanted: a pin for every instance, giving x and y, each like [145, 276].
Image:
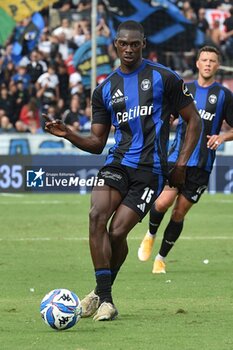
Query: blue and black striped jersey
[214, 103]
[139, 105]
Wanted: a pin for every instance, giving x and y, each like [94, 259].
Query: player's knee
[162, 206]
[177, 215]
[97, 217]
[118, 232]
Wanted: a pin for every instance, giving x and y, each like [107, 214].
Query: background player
[137, 98]
[215, 103]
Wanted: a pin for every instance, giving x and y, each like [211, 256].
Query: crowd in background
[45, 80]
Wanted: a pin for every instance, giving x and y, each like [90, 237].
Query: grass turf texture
[44, 245]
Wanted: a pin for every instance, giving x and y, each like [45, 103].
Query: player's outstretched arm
[93, 143]
[193, 132]
[214, 141]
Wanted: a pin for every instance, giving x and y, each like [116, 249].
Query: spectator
[101, 12]
[59, 10]
[7, 54]
[45, 44]
[6, 108]
[216, 34]
[75, 82]
[64, 29]
[29, 120]
[48, 88]
[63, 46]
[8, 72]
[228, 36]
[20, 96]
[52, 113]
[35, 67]
[197, 4]
[62, 5]
[63, 78]
[84, 7]
[102, 29]
[72, 116]
[202, 22]
[58, 59]
[81, 32]
[70, 64]
[85, 120]
[188, 12]
[225, 5]
[22, 76]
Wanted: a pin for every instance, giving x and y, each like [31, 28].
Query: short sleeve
[177, 92]
[100, 115]
[228, 108]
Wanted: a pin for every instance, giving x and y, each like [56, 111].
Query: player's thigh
[122, 222]
[104, 202]
[181, 208]
[166, 199]
[105, 199]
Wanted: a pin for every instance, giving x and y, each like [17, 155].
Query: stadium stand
[48, 56]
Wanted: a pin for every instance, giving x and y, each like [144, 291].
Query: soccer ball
[61, 309]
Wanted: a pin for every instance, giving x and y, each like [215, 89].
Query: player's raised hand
[55, 127]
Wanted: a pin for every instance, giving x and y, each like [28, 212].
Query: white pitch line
[42, 239]
[12, 195]
[49, 201]
[218, 201]
[36, 202]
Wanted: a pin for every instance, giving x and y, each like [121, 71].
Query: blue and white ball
[61, 309]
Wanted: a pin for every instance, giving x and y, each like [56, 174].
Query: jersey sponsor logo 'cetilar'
[206, 115]
[135, 112]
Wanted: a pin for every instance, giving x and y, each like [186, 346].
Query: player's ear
[144, 43]
[115, 42]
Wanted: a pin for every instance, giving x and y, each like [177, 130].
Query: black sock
[103, 285]
[171, 234]
[155, 219]
[114, 273]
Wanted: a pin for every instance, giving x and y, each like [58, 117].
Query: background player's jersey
[139, 105]
[214, 103]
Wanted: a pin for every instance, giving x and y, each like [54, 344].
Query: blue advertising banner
[49, 173]
[221, 179]
[77, 173]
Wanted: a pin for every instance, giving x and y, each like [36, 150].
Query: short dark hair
[209, 49]
[130, 25]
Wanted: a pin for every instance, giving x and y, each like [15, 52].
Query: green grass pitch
[44, 245]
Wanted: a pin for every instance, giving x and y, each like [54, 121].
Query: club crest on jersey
[212, 99]
[145, 84]
[185, 90]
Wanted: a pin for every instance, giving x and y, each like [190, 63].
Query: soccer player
[137, 99]
[215, 103]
